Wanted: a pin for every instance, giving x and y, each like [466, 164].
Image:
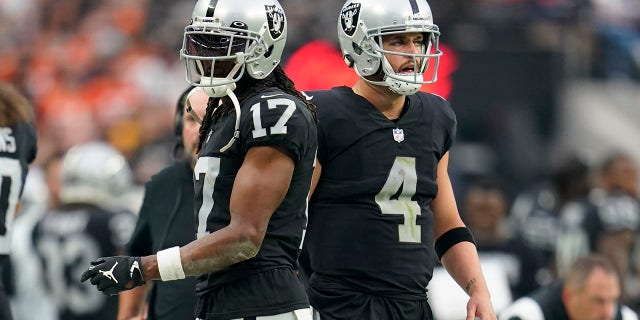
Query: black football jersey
[66, 240]
[18, 146]
[370, 223]
[271, 118]
[165, 220]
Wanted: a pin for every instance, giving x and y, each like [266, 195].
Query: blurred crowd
[110, 70]
[97, 70]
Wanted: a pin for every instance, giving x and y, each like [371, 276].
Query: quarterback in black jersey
[18, 147]
[381, 193]
[257, 149]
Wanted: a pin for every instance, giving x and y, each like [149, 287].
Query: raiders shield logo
[349, 18]
[275, 18]
[398, 135]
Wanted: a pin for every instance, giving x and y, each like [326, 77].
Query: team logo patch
[275, 19]
[349, 18]
[398, 135]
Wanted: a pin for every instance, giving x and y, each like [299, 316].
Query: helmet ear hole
[356, 48]
[269, 52]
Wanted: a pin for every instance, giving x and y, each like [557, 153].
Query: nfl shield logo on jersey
[398, 135]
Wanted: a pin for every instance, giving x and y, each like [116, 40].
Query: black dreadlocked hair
[247, 87]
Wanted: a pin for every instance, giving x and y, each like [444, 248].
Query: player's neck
[387, 102]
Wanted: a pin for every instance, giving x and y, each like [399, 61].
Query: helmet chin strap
[189, 108]
[227, 90]
[236, 131]
[400, 83]
[236, 106]
[218, 91]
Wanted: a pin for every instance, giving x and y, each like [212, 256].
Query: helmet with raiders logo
[226, 38]
[95, 173]
[363, 23]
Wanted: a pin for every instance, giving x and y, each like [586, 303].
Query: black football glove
[114, 274]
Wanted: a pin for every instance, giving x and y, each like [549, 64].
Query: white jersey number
[210, 167]
[64, 259]
[279, 127]
[395, 198]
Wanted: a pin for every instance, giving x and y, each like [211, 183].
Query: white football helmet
[94, 173]
[363, 23]
[227, 38]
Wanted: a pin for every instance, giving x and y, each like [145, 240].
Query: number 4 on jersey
[395, 198]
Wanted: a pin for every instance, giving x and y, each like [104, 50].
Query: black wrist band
[450, 238]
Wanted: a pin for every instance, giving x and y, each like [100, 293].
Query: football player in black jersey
[88, 223]
[18, 147]
[381, 194]
[166, 219]
[252, 177]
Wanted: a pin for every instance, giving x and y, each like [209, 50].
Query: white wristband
[169, 264]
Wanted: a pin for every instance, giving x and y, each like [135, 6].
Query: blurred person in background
[40, 196]
[167, 219]
[256, 152]
[485, 208]
[18, 148]
[88, 223]
[535, 217]
[589, 291]
[506, 262]
[619, 172]
[607, 222]
[617, 29]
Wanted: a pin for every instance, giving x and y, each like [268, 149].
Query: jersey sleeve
[450, 125]
[330, 120]
[277, 120]
[444, 120]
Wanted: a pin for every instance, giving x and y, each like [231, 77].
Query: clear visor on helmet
[425, 59]
[216, 54]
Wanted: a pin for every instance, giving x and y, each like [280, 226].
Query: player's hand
[113, 275]
[479, 307]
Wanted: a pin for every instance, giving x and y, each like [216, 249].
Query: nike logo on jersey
[109, 274]
[267, 96]
[308, 97]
